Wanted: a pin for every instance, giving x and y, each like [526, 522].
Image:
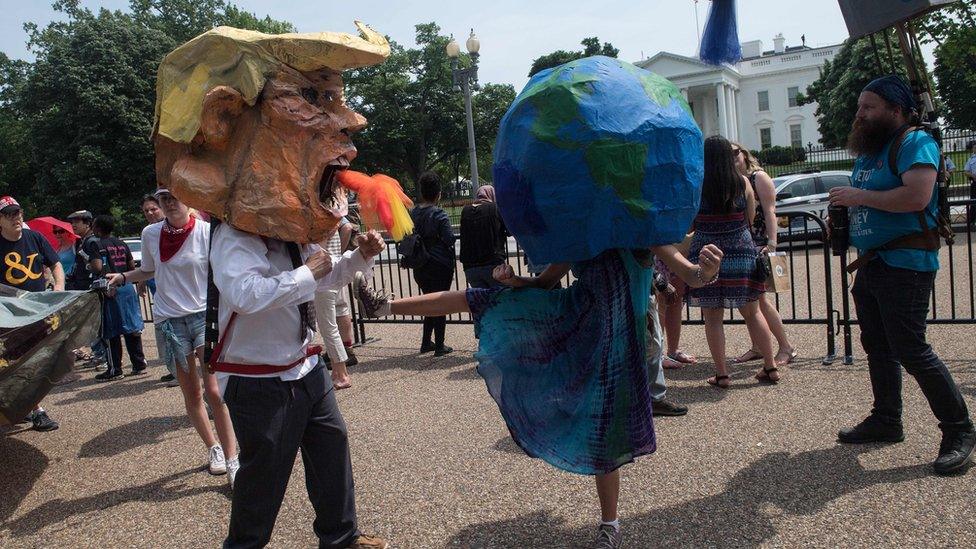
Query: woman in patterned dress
[727, 211]
[566, 367]
[764, 235]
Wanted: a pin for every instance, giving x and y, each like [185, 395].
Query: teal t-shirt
[871, 227]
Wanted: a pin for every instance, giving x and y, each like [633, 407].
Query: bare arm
[709, 262]
[913, 195]
[546, 279]
[58, 273]
[345, 236]
[750, 201]
[767, 197]
[135, 275]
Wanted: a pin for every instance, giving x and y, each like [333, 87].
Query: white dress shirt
[257, 281]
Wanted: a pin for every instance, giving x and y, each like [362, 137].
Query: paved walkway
[435, 467]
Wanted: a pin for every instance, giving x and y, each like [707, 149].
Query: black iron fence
[817, 283]
[810, 301]
[819, 292]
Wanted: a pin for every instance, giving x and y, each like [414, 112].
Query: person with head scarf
[483, 239]
[893, 207]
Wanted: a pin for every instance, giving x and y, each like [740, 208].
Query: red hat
[9, 205]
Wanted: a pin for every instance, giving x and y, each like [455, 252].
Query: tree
[416, 116]
[955, 71]
[591, 46]
[938, 25]
[841, 82]
[182, 20]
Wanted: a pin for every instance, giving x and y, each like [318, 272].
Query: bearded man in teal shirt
[892, 288]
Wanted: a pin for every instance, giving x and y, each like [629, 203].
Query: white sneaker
[217, 464]
[233, 465]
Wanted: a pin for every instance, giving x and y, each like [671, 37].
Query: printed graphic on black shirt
[24, 261]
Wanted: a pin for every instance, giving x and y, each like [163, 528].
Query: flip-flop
[748, 356]
[791, 356]
[716, 381]
[669, 363]
[682, 357]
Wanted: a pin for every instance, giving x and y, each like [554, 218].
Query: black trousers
[272, 420]
[892, 304]
[133, 344]
[434, 277]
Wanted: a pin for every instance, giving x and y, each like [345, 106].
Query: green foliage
[75, 124]
[591, 47]
[415, 115]
[841, 82]
[182, 20]
[938, 25]
[780, 156]
[955, 71]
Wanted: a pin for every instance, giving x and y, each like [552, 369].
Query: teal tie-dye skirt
[567, 368]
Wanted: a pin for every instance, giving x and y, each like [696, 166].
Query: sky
[513, 32]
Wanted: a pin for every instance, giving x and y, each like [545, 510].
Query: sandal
[790, 357]
[764, 375]
[682, 357]
[716, 381]
[748, 356]
[669, 363]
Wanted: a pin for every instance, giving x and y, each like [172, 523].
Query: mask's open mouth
[332, 195]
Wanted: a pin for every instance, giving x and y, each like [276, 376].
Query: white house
[753, 102]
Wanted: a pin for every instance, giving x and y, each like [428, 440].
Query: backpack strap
[212, 318]
[895, 147]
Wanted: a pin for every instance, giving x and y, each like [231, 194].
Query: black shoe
[138, 371]
[665, 408]
[426, 347]
[955, 452]
[871, 430]
[167, 378]
[109, 375]
[41, 422]
[351, 359]
[442, 350]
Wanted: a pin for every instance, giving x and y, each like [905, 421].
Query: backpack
[943, 221]
[413, 252]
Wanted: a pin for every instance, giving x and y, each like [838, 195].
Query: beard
[869, 137]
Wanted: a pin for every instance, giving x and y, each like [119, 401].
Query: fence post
[845, 298]
[828, 276]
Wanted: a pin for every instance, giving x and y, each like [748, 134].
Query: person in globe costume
[600, 148]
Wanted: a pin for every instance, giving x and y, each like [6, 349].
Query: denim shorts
[189, 331]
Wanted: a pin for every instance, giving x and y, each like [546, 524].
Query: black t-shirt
[24, 261]
[116, 255]
[482, 235]
[80, 278]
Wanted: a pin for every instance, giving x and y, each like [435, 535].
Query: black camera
[840, 232]
[102, 287]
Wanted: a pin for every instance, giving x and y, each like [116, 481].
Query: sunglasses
[737, 152]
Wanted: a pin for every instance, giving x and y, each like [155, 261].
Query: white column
[684, 93]
[734, 111]
[723, 120]
[730, 110]
[738, 114]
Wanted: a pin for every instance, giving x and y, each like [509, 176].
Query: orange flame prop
[381, 201]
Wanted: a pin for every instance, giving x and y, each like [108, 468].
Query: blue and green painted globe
[597, 154]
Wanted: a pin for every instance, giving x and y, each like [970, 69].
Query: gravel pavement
[435, 467]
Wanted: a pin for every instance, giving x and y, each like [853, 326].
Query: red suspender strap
[252, 369]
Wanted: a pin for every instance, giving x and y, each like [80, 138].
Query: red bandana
[172, 239]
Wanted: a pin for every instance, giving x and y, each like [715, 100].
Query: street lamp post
[466, 79]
